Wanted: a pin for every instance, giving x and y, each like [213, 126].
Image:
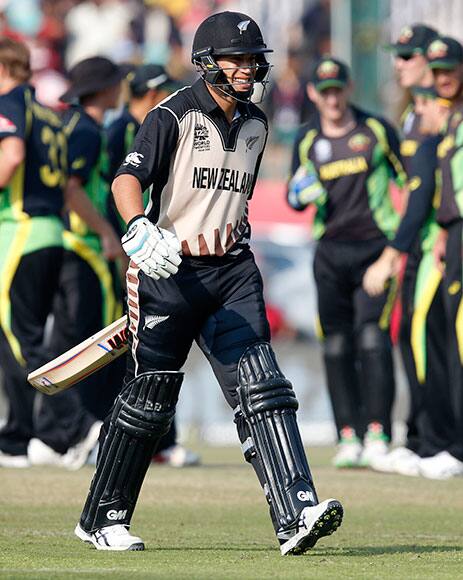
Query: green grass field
[212, 522]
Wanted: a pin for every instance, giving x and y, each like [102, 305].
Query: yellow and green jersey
[412, 137]
[89, 161]
[36, 188]
[353, 174]
[450, 171]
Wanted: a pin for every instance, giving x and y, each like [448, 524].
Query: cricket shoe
[348, 451]
[177, 456]
[116, 538]
[400, 460]
[14, 461]
[314, 523]
[76, 456]
[375, 444]
[441, 466]
[39, 453]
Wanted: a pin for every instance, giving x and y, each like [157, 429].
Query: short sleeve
[153, 147]
[12, 117]
[84, 146]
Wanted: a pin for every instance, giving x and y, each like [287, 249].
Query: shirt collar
[83, 113]
[126, 114]
[22, 88]
[208, 103]
[204, 97]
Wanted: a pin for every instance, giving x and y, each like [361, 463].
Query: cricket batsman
[192, 277]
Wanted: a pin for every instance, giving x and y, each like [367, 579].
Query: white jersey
[201, 169]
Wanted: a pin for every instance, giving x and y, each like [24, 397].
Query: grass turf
[212, 522]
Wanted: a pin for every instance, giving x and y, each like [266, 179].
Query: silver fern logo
[243, 25]
[152, 320]
[250, 142]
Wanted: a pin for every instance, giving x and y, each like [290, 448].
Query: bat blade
[82, 360]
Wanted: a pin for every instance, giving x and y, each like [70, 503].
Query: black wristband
[140, 215]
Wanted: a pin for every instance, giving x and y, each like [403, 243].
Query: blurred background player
[34, 165]
[343, 161]
[445, 56]
[149, 84]
[434, 425]
[413, 74]
[411, 68]
[32, 178]
[89, 296]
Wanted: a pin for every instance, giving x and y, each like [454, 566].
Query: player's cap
[150, 76]
[444, 52]
[91, 75]
[413, 40]
[330, 72]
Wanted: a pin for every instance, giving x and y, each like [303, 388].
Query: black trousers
[454, 307]
[355, 326]
[27, 298]
[408, 307]
[80, 310]
[216, 301]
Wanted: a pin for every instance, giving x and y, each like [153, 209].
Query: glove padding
[154, 250]
[305, 187]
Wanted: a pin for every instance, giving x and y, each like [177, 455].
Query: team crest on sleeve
[251, 141]
[201, 140]
[134, 159]
[7, 126]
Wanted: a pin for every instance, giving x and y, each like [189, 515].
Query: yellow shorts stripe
[100, 266]
[385, 318]
[10, 266]
[427, 283]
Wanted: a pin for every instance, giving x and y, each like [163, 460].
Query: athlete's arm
[154, 250]
[393, 154]
[128, 196]
[77, 200]
[12, 154]
[440, 249]
[422, 188]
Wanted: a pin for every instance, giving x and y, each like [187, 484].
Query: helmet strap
[214, 76]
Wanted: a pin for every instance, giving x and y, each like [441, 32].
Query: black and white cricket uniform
[202, 171]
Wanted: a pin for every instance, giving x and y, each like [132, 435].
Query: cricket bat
[82, 360]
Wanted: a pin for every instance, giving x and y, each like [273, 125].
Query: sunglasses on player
[406, 56]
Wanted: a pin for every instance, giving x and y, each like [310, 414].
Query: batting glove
[154, 250]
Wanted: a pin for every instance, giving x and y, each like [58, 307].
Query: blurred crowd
[59, 33]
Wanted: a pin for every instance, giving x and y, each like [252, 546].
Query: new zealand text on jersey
[222, 178]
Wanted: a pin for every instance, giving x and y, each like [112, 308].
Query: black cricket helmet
[229, 34]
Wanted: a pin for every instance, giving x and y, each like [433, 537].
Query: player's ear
[311, 92]
[349, 89]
